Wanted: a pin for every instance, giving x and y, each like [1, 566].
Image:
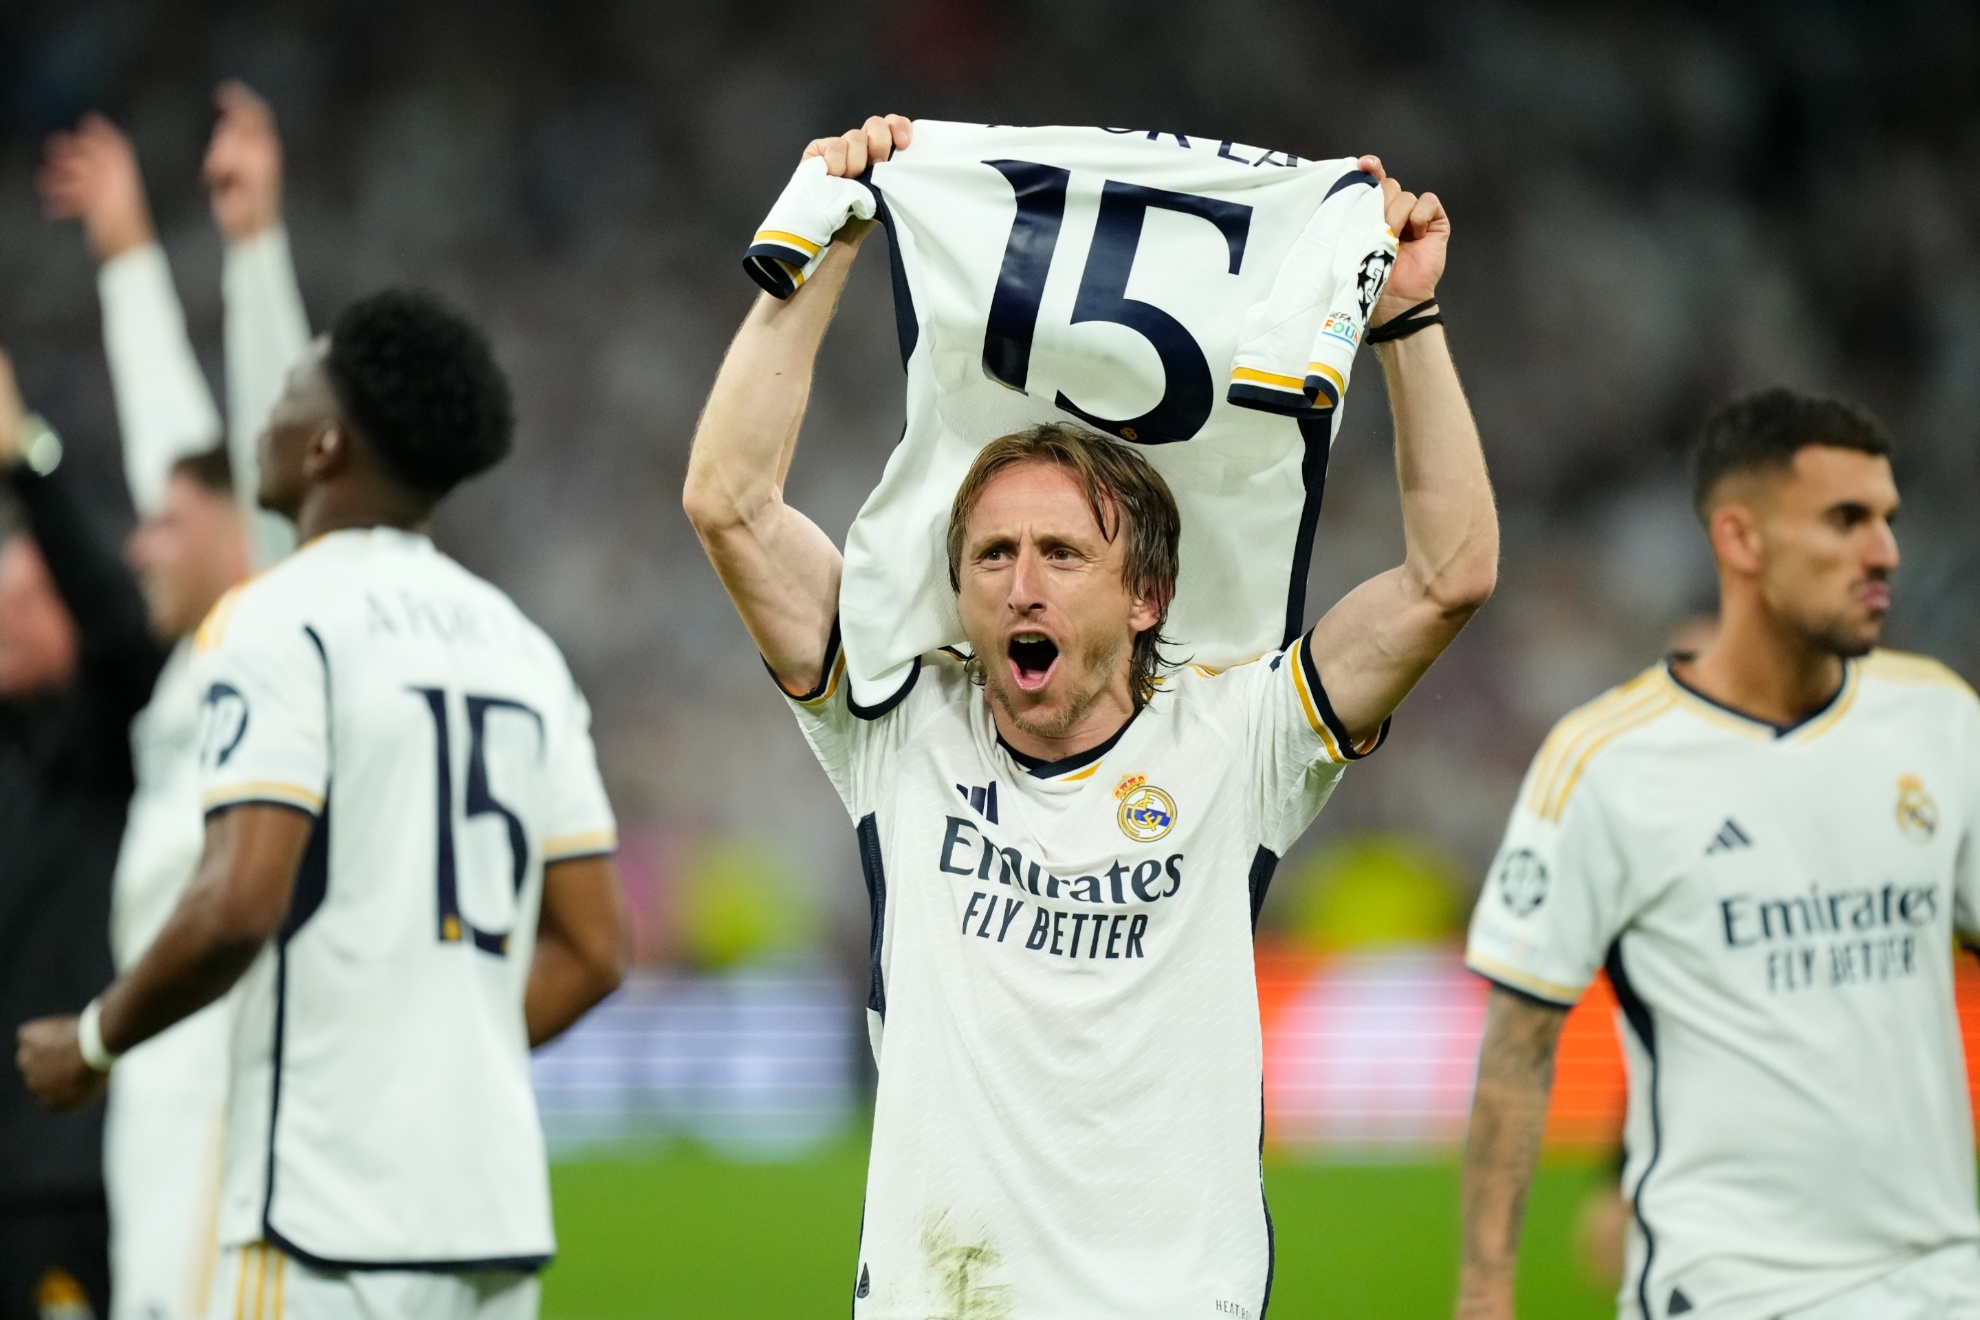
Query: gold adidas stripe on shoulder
[1907, 667]
[1572, 727]
[1618, 727]
[214, 626]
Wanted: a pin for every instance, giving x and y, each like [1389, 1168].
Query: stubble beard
[1102, 661]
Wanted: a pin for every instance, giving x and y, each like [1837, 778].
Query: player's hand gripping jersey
[1776, 910]
[1062, 999]
[1200, 298]
[381, 1109]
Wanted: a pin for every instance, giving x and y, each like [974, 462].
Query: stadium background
[1654, 205]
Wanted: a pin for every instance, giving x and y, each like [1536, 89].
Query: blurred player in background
[77, 661]
[164, 1123]
[408, 857]
[1070, 1063]
[1770, 847]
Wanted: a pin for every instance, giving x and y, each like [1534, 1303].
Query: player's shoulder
[1915, 679]
[269, 598]
[1627, 720]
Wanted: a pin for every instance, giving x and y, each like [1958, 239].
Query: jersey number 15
[480, 801]
[1188, 390]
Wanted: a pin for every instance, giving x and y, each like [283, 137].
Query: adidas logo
[1679, 1303]
[982, 799]
[1729, 837]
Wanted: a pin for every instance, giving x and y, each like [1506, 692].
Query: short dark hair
[1121, 487]
[1767, 428]
[209, 469]
[422, 387]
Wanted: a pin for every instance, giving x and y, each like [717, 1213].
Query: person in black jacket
[77, 662]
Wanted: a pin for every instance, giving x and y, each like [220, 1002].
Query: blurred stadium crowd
[1657, 205]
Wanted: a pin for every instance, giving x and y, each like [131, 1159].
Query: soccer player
[167, 1108]
[1770, 847]
[1066, 841]
[408, 860]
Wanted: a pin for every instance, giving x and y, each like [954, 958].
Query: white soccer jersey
[1201, 299]
[1063, 1004]
[381, 1111]
[1776, 910]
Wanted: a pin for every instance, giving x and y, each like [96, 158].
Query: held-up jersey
[1776, 910]
[1201, 299]
[1062, 1001]
[381, 1111]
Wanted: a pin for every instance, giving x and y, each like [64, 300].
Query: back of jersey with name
[1200, 299]
[381, 1104]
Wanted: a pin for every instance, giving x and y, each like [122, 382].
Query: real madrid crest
[1917, 813]
[1147, 813]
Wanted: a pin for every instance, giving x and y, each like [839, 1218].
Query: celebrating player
[162, 1128]
[408, 857]
[1066, 845]
[1769, 846]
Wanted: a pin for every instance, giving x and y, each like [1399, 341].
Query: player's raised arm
[266, 331]
[1508, 1117]
[1373, 646]
[165, 411]
[780, 569]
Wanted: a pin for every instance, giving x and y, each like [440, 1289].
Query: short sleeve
[852, 743]
[1554, 899]
[1296, 744]
[264, 710]
[578, 821]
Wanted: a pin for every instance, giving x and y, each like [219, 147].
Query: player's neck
[1760, 668]
[1107, 716]
[340, 508]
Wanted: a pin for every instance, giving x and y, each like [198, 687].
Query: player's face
[1827, 549]
[187, 554]
[37, 636]
[307, 406]
[1043, 600]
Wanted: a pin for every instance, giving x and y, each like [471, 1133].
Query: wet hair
[1764, 430]
[209, 469]
[1125, 493]
[422, 388]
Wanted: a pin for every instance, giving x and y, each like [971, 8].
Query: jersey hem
[475, 1265]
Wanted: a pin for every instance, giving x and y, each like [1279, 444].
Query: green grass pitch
[676, 1232]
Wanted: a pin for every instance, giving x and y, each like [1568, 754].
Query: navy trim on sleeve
[824, 672]
[900, 695]
[1518, 992]
[1326, 707]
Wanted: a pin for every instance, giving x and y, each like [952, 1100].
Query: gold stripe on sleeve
[1268, 378]
[1327, 371]
[1493, 969]
[838, 672]
[797, 241]
[1294, 663]
[262, 790]
[576, 845]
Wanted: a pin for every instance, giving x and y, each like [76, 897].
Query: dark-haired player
[1770, 846]
[408, 857]
[1067, 841]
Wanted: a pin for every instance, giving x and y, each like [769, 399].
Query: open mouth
[1032, 657]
